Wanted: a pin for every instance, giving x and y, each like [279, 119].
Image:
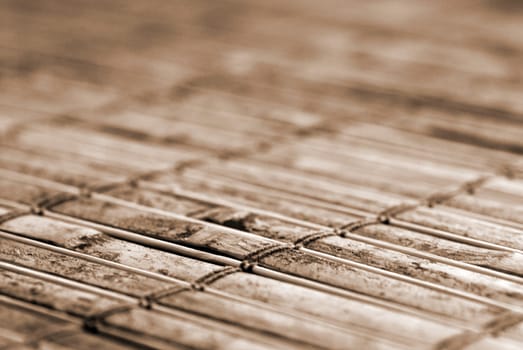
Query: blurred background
[319, 59]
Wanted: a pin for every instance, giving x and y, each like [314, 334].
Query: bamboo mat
[261, 174]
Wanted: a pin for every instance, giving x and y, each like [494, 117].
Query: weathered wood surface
[261, 175]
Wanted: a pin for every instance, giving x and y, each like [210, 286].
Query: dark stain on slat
[475, 140]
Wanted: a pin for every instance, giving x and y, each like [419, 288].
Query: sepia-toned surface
[261, 174]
